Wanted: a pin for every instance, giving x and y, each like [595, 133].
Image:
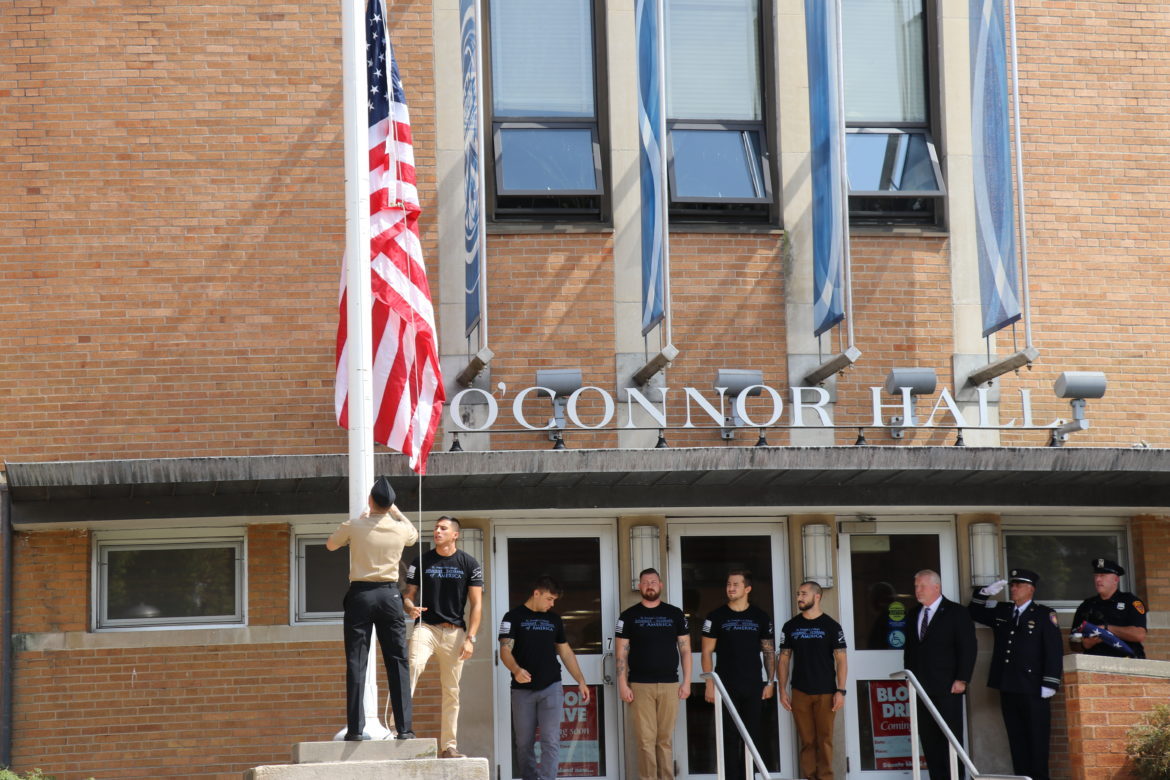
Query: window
[546, 134]
[892, 163]
[1061, 556]
[169, 582]
[322, 577]
[718, 152]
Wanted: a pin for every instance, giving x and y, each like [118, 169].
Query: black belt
[364, 585]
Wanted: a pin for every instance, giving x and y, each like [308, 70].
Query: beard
[804, 607]
[651, 595]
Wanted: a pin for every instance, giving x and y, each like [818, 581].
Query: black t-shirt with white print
[535, 637]
[445, 583]
[737, 649]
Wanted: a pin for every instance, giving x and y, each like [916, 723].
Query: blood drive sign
[889, 710]
[580, 735]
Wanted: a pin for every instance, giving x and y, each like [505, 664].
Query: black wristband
[842, 691]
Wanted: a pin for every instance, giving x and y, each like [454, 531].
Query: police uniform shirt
[812, 642]
[535, 636]
[1121, 609]
[445, 583]
[1028, 653]
[653, 633]
[737, 650]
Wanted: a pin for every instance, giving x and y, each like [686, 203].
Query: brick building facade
[169, 260]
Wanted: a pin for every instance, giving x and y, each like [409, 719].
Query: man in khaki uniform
[376, 539]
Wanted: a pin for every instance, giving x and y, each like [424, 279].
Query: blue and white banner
[827, 130]
[473, 235]
[992, 166]
[651, 132]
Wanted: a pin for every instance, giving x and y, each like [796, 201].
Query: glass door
[877, 595]
[701, 554]
[582, 559]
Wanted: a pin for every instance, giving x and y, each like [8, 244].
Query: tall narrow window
[546, 135]
[894, 173]
[718, 140]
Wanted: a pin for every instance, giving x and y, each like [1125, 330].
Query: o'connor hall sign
[663, 407]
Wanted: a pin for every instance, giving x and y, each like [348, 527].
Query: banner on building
[995, 229]
[827, 130]
[473, 212]
[652, 161]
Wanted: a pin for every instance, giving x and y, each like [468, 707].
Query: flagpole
[482, 191]
[664, 186]
[359, 296]
[1020, 183]
[846, 255]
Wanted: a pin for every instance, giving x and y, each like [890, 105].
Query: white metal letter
[716, 415]
[518, 409]
[798, 406]
[944, 397]
[606, 398]
[777, 407]
[457, 414]
[633, 394]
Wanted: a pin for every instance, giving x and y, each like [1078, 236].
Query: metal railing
[955, 748]
[751, 754]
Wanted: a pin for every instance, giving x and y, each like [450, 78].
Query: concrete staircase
[408, 759]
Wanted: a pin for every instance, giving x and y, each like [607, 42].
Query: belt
[367, 584]
[445, 625]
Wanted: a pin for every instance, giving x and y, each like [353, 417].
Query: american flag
[408, 386]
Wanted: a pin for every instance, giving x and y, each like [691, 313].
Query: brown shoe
[451, 753]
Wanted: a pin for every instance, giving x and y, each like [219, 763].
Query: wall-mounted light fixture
[644, 552]
[735, 381]
[471, 540]
[984, 553]
[1076, 385]
[817, 539]
[908, 383]
[562, 383]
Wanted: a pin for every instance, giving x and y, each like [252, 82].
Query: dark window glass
[1062, 561]
[891, 162]
[172, 584]
[325, 580]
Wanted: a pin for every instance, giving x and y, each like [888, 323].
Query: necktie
[1016, 616]
[925, 621]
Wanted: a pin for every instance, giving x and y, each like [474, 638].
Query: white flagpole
[1023, 222]
[359, 297]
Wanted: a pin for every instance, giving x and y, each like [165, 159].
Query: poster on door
[580, 734]
[889, 708]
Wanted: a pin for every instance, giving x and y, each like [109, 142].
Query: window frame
[557, 209]
[932, 151]
[932, 129]
[297, 593]
[681, 211]
[1064, 526]
[194, 538]
[549, 124]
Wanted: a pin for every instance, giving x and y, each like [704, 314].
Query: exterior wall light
[817, 539]
[558, 384]
[908, 383]
[735, 381]
[984, 553]
[644, 551]
[1077, 386]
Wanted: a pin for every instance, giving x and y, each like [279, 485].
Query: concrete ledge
[1130, 667]
[422, 769]
[371, 750]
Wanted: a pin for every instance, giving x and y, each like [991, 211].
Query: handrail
[749, 745]
[956, 749]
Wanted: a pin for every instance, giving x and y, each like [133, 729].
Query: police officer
[1121, 613]
[1025, 666]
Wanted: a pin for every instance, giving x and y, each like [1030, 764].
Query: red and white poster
[889, 708]
[580, 735]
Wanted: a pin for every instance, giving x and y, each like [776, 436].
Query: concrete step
[417, 769]
[370, 750]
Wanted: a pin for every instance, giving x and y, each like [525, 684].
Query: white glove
[993, 588]
[1047, 693]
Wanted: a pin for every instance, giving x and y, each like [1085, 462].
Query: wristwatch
[472, 639]
[842, 691]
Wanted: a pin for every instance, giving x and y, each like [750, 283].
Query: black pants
[1028, 719]
[935, 748]
[751, 711]
[376, 605]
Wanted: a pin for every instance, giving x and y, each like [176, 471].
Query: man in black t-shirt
[451, 580]
[740, 639]
[816, 643]
[531, 638]
[652, 639]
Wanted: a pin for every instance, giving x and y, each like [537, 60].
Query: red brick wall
[1101, 709]
[269, 582]
[1151, 542]
[50, 588]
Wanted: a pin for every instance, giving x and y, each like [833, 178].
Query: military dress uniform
[1027, 658]
[1120, 609]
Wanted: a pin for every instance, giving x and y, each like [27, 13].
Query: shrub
[1149, 745]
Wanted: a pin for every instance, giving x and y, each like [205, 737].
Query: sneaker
[451, 753]
[406, 735]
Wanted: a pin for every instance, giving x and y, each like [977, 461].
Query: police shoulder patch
[1052, 617]
[1139, 606]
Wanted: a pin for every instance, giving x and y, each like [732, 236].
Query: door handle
[606, 675]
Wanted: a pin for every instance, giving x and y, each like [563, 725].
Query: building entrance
[877, 562]
[700, 555]
[582, 558]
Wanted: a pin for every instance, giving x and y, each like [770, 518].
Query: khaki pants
[653, 711]
[446, 644]
[814, 724]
